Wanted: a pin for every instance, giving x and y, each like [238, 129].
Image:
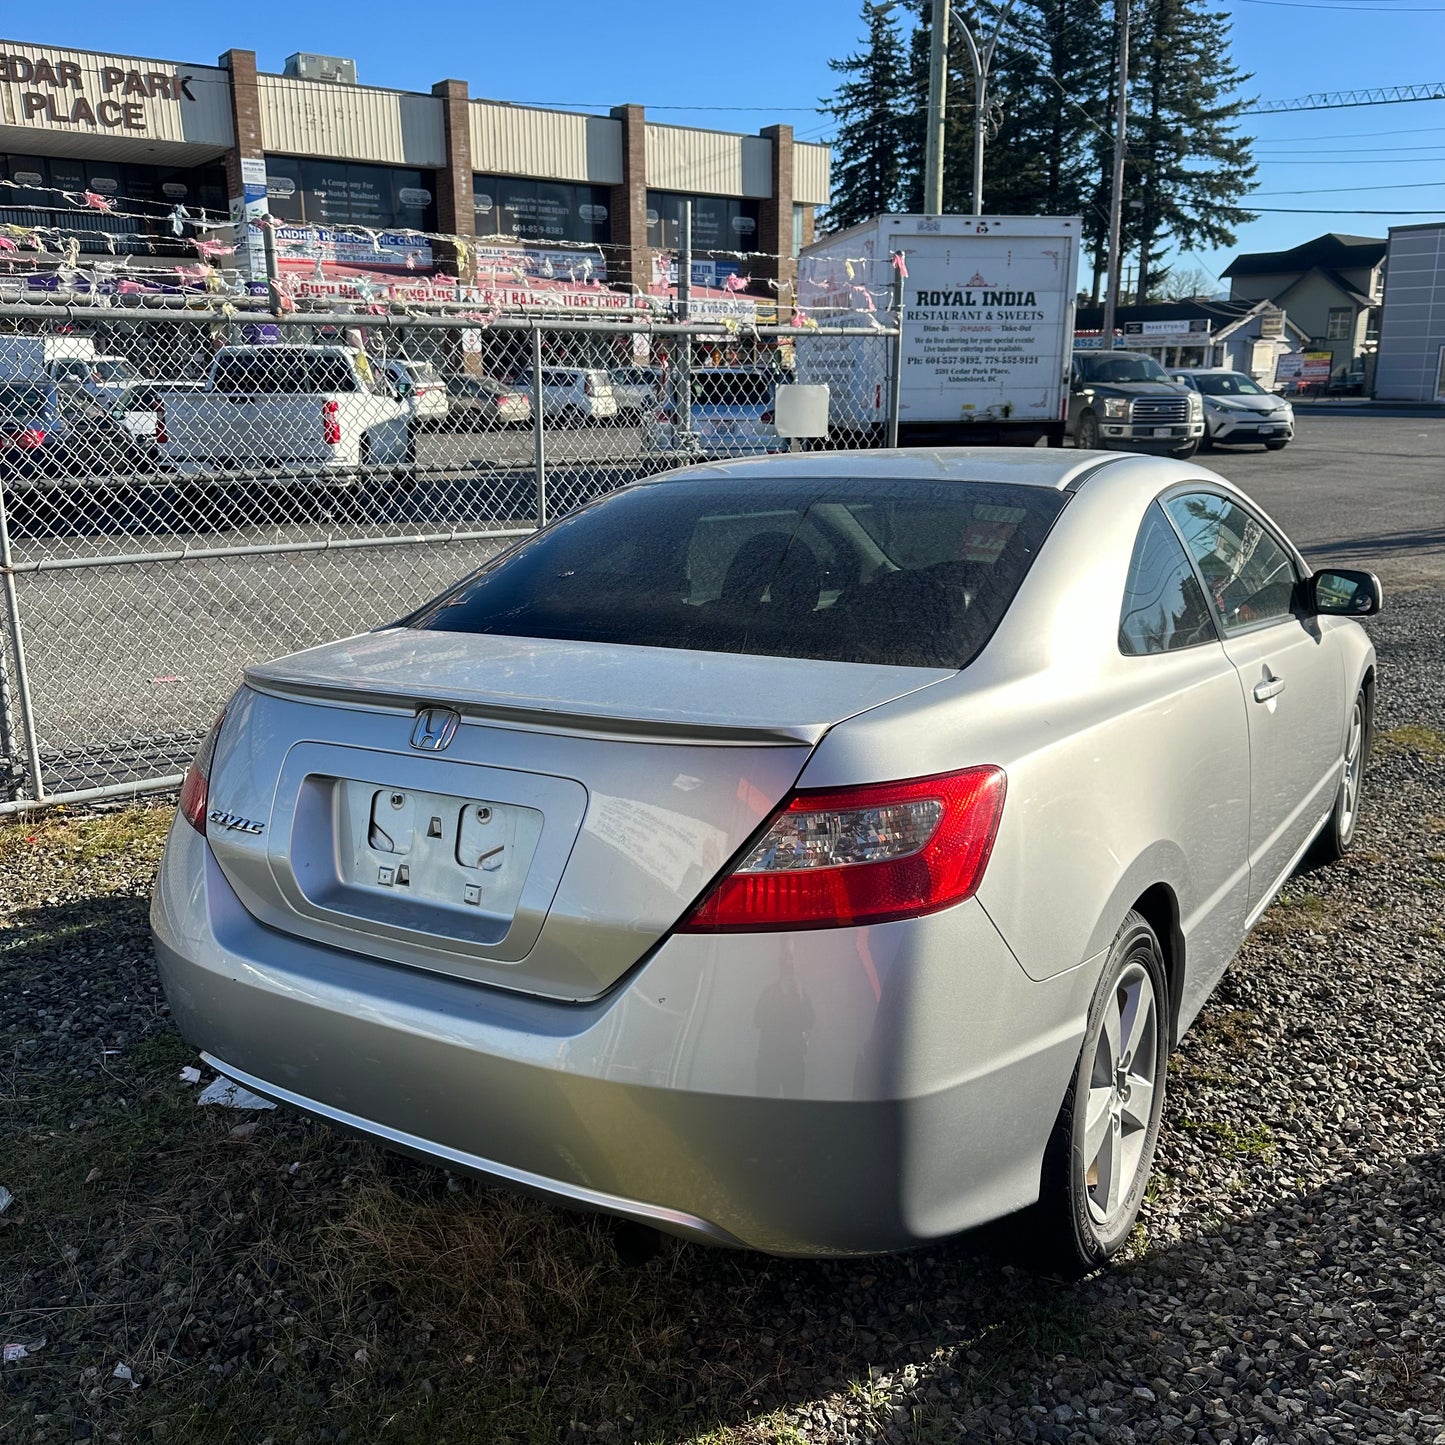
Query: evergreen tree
[869, 146]
[1191, 166]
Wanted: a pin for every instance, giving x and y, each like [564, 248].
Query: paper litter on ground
[11, 1353]
[6, 1199]
[230, 1095]
[190, 1075]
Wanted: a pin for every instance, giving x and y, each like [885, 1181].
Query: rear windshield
[902, 573]
[731, 388]
[277, 372]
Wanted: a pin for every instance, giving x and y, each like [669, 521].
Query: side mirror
[1336, 592]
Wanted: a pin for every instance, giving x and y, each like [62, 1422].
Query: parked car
[1126, 399]
[1238, 409]
[731, 416]
[47, 433]
[817, 854]
[637, 389]
[482, 401]
[430, 401]
[573, 395]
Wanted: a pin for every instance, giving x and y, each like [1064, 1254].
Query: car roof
[1021, 466]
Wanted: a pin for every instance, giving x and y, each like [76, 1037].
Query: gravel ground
[265, 1279]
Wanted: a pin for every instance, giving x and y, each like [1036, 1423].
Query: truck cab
[1124, 400]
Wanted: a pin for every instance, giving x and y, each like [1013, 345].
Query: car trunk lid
[534, 814]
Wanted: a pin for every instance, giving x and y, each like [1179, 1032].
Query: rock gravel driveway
[262, 1278]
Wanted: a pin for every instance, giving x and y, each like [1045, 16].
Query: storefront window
[719, 223]
[556, 211]
[337, 194]
[150, 192]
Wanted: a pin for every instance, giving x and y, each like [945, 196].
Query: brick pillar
[629, 260]
[245, 116]
[247, 147]
[455, 213]
[775, 229]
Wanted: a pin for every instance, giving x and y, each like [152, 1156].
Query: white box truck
[988, 327]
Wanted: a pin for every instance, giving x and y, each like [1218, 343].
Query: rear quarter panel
[1123, 772]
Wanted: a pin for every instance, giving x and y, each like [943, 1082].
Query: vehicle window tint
[1164, 606]
[1249, 574]
[731, 388]
[283, 372]
[22, 403]
[788, 567]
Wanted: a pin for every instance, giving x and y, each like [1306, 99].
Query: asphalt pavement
[128, 663]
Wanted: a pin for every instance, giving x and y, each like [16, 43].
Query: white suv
[573, 394]
[1238, 409]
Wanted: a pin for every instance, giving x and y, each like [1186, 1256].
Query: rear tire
[1098, 1161]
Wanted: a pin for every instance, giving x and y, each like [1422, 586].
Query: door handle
[1271, 687]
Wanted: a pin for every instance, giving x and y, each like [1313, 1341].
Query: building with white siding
[105, 156]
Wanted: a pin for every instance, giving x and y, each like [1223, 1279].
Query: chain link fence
[185, 493]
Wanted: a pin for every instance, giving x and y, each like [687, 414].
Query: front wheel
[1102, 1149]
[1182, 454]
[1338, 835]
[1088, 438]
[1275, 446]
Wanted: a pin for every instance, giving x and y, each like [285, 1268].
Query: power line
[1351, 134]
[1331, 190]
[1375, 151]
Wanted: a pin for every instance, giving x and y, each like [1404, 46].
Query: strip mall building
[556, 210]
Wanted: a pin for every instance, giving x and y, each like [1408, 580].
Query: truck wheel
[1182, 454]
[1088, 439]
[1275, 446]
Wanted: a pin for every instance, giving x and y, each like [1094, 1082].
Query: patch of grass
[1255, 1143]
[136, 833]
[1189, 1072]
[1415, 739]
[1230, 1029]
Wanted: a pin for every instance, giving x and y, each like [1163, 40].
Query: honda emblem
[434, 729]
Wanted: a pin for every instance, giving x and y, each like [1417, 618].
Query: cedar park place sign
[64, 101]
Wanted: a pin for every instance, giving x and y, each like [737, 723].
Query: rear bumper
[816, 1093]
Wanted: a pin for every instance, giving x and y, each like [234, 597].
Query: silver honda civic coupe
[819, 854]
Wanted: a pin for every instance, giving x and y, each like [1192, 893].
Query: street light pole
[1116, 197]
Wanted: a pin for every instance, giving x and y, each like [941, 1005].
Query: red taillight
[161, 437]
[195, 790]
[27, 439]
[331, 422]
[839, 857]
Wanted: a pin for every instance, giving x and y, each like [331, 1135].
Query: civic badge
[434, 729]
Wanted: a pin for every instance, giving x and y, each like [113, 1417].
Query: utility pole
[981, 62]
[1116, 198]
[937, 109]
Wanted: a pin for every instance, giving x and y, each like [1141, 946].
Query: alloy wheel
[1122, 1081]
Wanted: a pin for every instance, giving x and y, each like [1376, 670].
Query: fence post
[895, 372]
[22, 680]
[539, 439]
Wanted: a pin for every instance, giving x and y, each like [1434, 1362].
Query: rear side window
[281, 372]
[882, 571]
[1164, 605]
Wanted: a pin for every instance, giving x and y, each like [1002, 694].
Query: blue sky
[750, 63]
